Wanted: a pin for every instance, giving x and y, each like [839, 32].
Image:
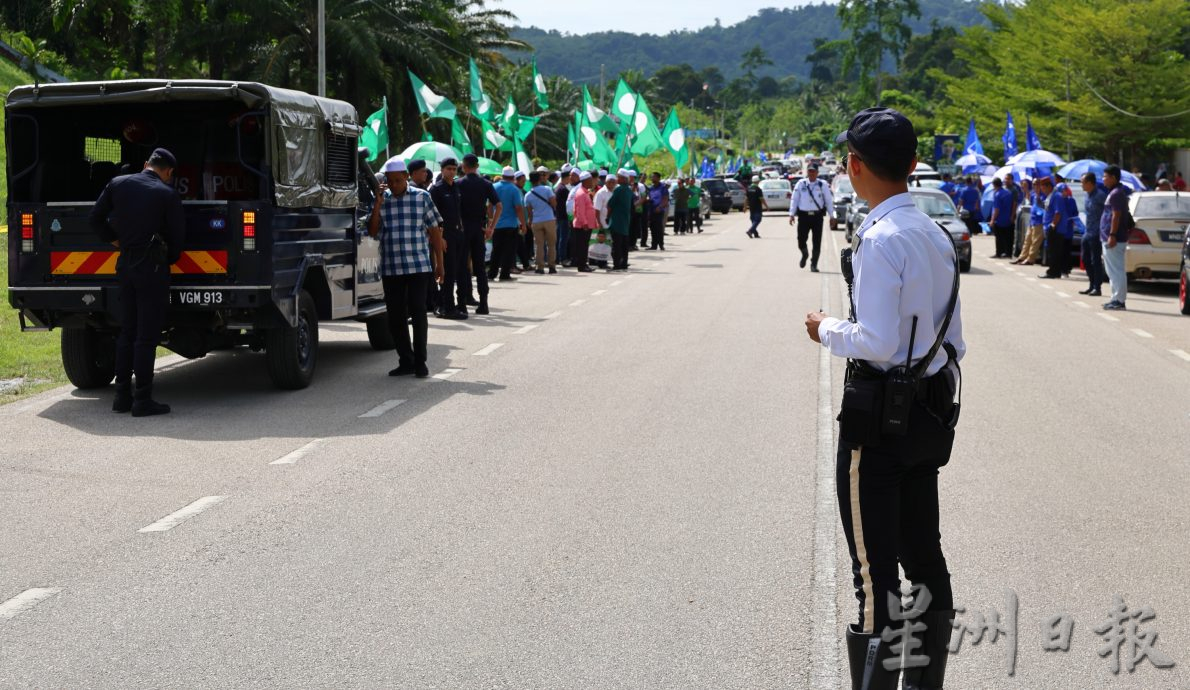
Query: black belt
[810, 213]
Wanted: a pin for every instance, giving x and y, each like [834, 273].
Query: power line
[1117, 108]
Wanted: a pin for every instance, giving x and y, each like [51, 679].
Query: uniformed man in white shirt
[896, 428]
[812, 201]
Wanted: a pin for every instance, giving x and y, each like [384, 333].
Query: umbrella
[981, 170]
[432, 152]
[587, 164]
[1081, 167]
[487, 166]
[972, 159]
[1037, 157]
[1020, 172]
[1129, 180]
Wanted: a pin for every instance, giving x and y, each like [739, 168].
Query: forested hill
[786, 35]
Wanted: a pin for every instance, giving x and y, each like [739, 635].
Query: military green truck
[273, 193]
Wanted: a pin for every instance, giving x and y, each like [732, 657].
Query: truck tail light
[1138, 236]
[249, 230]
[27, 232]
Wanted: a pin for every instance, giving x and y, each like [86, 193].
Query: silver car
[739, 195]
[938, 206]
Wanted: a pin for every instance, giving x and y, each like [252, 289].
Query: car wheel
[1183, 288]
[964, 266]
[88, 357]
[292, 351]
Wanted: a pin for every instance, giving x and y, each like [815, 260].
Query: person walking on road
[510, 226]
[658, 207]
[1114, 227]
[142, 216]
[410, 229]
[812, 202]
[479, 207]
[1092, 246]
[756, 206]
[889, 455]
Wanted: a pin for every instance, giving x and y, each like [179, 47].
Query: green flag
[571, 143]
[596, 118]
[481, 103]
[624, 104]
[375, 134]
[525, 126]
[459, 138]
[509, 120]
[675, 139]
[429, 103]
[543, 99]
[646, 137]
[493, 140]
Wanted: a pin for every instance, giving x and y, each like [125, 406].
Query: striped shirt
[404, 242]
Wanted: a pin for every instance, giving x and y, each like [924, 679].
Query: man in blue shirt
[540, 202]
[1002, 207]
[1114, 227]
[1031, 248]
[1092, 248]
[658, 205]
[969, 197]
[1059, 229]
[949, 187]
[509, 226]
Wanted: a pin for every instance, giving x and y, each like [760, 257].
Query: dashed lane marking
[1059, 293]
[1107, 317]
[552, 315]
[524, 329]
[578, 302]
[1046, 287]
[1181, 354]
[597, 293]
[294, 456]
[25, 601]
[446, 373]
[1142, 333]
[176, 518]
[1084, 305]
[489, 349]
[382, 408]
[618, 282]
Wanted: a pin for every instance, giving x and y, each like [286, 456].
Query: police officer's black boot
[123, 401]
[866, 654]
[935, 641]
[482, 309]
[143, 404]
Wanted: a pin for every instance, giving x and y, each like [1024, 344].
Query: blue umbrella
[1130, 180]
[1081, 167]
[972, 159]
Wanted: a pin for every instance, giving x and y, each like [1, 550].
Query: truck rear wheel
[380, 337]
[292, 351]
[88, 357]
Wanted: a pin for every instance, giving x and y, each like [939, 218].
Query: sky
[634, 16]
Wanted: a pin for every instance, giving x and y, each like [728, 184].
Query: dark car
[720, 194]
[1184, 283]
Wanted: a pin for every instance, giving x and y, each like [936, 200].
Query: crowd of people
[434, 232]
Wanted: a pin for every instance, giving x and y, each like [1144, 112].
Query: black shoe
[756, 235]
[491, 276]
[805, 258]
[865, 657]
[553, 271]
[1095, 293]
[507, 279]
[482, 309]
[422, 371]
[1046, 276]
[143, 404]
[813, 269]
[472, 302]
[123, 401]
[540, 271]
[586, 269]
[403, 370]
[935, 641]
[1085, 292]
[452, 314]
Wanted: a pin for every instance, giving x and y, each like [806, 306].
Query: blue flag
[1032, 143]
[1009, 139]
[972, 145]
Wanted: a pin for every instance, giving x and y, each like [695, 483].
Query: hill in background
[786, 35]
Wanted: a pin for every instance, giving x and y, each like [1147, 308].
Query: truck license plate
[197, 298]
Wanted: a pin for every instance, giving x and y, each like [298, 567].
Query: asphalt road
[615, 481]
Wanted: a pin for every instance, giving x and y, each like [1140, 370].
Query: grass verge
[35, 358]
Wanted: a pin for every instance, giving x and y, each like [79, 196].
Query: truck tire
[292, 351]
[965, 266]
[88, 357]
[1184, 291]
[380, 337]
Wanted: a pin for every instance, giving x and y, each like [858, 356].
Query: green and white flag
[675, 139]
[375, 134]
[543, 99]
[429, 103]
[481, 103]
[595, 117]
[571, 144]
[624, 104]
[525, 125]
[459, 138]
[646, 137]
[509, 120]
[493, 140]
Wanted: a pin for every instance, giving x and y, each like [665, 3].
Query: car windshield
[1171, 206]
[733, 185]
[843, 186]
[934, 205]
[714, 185]
[775, 184]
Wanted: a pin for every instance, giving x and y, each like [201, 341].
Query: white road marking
[1059, 293]
[489, 349]
[1031, 280]
[25, 601]
[578, 302]
[824, 673]
[446, 373]
[1107, 317]
[597, 293]
[1141, 333]
[1181, 354]
[524, 329]
[1046, 287]
[552, 315]
[174, 519]
[293, 457]
[1010, 269]
[618, 282]
[629, 277]
[382, 408]
[1084, 305]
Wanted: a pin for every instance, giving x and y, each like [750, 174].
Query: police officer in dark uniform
[142, 215]
[479, 208]
[903, 342]
[445, 194]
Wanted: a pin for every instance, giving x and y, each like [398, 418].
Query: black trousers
[580, 244]
[525, 250]
[888, 503]
[681, 220]
[657, 226]
[1092, 251]
[1003, 234]
[642, 224]
[454, 271]
[810, 225]
[504, 252]
[619, 250]
[476, 250]
[405, 298]
[1057, 251]
[144, 299]
[695, 219]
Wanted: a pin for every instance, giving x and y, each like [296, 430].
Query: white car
[776, 194]
[1155, 245]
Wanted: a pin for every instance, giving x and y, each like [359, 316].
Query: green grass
[35, 357]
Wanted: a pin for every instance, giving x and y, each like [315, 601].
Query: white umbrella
[432, 152]
[1036, 157]
[972, 159]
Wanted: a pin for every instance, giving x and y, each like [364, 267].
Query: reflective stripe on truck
[104, 263]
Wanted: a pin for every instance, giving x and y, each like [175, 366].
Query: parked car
[843, 194]
[720, 195]
[776, 194]
[704, 203]
[938, 206]
[924, 172]
[856, 214]
[739, 195]
[1154, 245]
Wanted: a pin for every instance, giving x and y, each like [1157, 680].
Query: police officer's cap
[812, 166]
[470, 159]
[416, 164]
[882, 134]
[448, 161]
[162, 158]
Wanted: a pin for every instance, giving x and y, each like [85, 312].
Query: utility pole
[322, 48]
[1069, 153]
